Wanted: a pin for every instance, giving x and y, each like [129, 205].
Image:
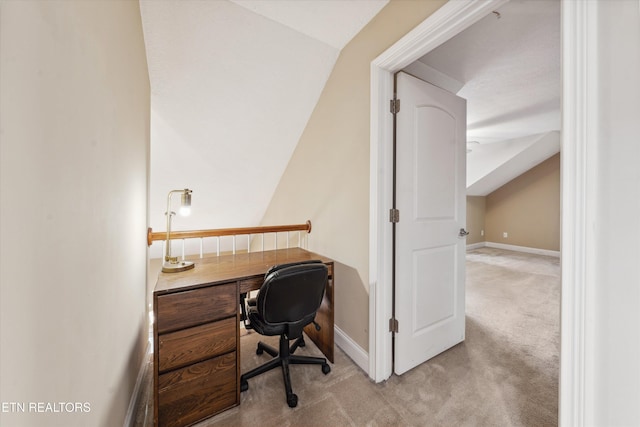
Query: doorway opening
[579, 60]
[448, 21]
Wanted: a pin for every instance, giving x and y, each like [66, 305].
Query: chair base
[283, 358]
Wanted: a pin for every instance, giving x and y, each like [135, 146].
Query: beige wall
[74, 145]
[327, 179]
[527, 208]
[476, 206]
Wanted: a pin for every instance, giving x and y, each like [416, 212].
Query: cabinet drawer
[188, 308]
[198, 391]
[180, 348]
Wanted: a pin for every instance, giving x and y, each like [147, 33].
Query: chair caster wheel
[259, 351]
[292, 400]
[244, 385]
[326, 368]
[302, 343]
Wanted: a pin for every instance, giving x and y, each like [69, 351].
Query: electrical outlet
[505, 234]
[482, 232]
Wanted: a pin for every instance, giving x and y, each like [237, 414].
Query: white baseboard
[352, 349]
[476, 246]
[129, 420]
[523, 249]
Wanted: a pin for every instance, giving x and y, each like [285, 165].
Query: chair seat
[261, 327]
[290, 330]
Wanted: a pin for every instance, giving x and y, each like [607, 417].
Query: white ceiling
[508, 67]
[333, 22]
[490, 166]
[234, 82]
[233, 85]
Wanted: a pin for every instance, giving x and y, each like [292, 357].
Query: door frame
[579, 57]
[452, 18]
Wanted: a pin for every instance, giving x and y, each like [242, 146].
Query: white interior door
[431, 198]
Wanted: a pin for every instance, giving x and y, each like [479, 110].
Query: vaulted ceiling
[234, 82]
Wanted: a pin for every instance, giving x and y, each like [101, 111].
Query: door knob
[463, 233]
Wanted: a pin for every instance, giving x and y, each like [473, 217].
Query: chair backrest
[292, 293]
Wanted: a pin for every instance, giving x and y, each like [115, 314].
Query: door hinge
[394, 215]
[395, 106]
[393, 325]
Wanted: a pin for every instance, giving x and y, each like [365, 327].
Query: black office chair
[287, 302]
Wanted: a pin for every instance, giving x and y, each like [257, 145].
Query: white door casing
[431, 198]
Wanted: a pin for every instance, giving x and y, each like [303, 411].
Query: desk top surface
[227, 268]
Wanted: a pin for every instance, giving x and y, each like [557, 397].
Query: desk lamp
[171, 264]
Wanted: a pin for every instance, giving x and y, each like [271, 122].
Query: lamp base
[168, 267]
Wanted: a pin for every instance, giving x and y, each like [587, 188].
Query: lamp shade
[185, 207]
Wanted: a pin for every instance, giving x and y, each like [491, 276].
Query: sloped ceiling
[232, 87]
[233, 84]
[508, 65]
[333, 22]
[493, 165]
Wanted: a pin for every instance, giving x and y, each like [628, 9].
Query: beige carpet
[504, 374]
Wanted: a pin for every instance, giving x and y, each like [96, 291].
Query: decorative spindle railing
[249, 232]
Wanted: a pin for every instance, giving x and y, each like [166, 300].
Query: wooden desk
[196, 332]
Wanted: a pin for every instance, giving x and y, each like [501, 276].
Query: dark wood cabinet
[196, 362]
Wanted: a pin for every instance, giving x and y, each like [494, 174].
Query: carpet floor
[505, 373]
